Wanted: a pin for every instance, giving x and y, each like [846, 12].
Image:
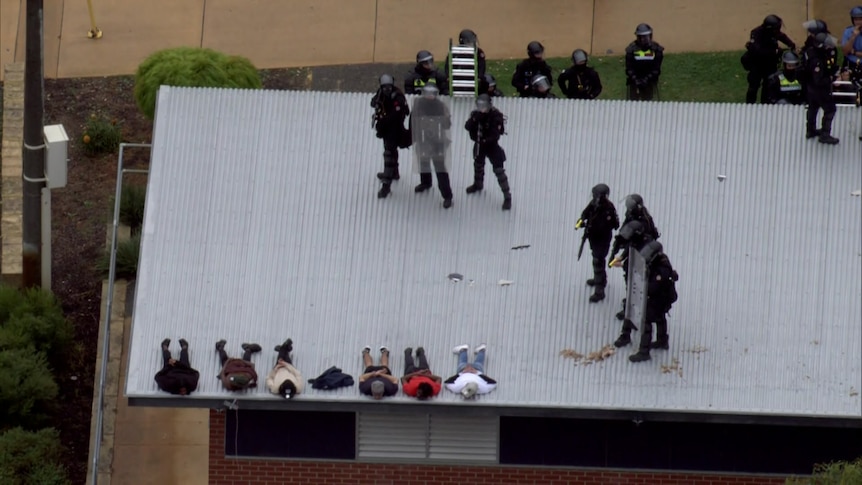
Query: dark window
[290, 434]
[674, 446]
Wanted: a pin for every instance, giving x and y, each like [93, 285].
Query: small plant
[101, 135]
[835, 473]
[28, 457]
[128, 252]
[132, 206]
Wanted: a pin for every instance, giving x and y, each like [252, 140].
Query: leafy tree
[191, 67]
[835, 473]
[31, 458]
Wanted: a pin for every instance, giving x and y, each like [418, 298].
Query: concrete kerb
[113, 384]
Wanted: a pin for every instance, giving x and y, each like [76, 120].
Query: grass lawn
[715, 77]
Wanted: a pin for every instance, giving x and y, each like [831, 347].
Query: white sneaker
[365, 349]
[480, 348]
[384, 349]
[460, 348]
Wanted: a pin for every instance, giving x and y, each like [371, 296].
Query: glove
[579, 224]
[614, 263]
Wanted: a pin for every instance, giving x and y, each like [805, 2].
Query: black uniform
[485, 130]
[819, 67]
[525, 71]
[661, 294]
[762, 55]
[485, 88]
[650, 232]
[643, 68]
[480, 64]
[600, 219]
[419, 77]
[784, 87]
[434, 150]
[390, 110]
[580, 82]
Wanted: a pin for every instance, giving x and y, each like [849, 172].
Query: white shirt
[283, 372]
[466, 377]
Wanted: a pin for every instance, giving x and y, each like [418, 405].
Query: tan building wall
[836, 14]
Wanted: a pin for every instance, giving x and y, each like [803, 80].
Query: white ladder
[845, 98]
[462, 70]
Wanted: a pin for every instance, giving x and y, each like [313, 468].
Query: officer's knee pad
[499, 170]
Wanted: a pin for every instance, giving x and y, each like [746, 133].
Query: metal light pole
[33, 156]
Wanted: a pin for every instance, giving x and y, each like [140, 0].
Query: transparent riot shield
[636, 290]
[430, 123]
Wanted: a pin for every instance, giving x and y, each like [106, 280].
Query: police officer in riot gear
[632, 237]
[814, 27]
[580, 81]
[599, 219]
[643, 65]
[530, 67]
[820, 70]
[468, 37]
[661, 294]
[488, 85]
[485, 126]
[425, 71]
[431, 141]
[645, 228]
[761, 56]
[390, 110]
[784, 87]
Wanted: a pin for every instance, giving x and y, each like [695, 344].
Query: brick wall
[229, 471]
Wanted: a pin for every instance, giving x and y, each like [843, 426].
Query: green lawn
[710, 77]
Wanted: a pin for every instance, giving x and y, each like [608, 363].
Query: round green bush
[191, 67]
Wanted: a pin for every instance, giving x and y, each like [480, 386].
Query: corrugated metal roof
[262, 223]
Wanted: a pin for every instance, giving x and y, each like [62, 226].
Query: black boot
[640, 356]
[384, 191]
[475, 188]
[624, 339]
[447, 203]
[661, 338]
[166, 343]
[251, 348]
[382, 176]
[809, 134]
[184, 344]
[599, 280]
[425, 181]
[478, 177]
[827, 139]
[598, 294]
[622, 313]
[220, 344]
[507, 202]
[646, 338]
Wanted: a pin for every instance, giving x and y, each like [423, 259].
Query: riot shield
[636, 289]
[430, 123]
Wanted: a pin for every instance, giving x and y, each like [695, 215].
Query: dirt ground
[82, 211]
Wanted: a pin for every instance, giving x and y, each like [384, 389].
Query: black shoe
[420, 351]
[639, 357]
[421, 188]
[380, 176]
[184, 344]
[507, 203]
[166, 343]
[598, 296]
[827, 139]
[812, 134]
[447, 203]
[383, 192]
[408, 351]
[474, 188]
[621, 315]
[251, 348]
[660, 344]
[623, 340]
[289, 344]
[220, 344]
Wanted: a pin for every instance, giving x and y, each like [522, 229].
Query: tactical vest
[644, 55]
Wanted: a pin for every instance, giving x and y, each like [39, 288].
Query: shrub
[835, 473]
[101, 135]
[128, 253]
[31, 458]
[33, 318]
[27, 388]
[132, 206]
[191, 67]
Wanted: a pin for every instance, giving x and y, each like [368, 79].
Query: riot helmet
[772, 22]
[855, 14]
[634, 202]
[387, 84]
[651, 251]
[825, 41]
[579, 57]
[535, 49]
[790, 62]
[468, 37]
[601, 191]
[632, 231]
[430, 90]
[540, 83]
[644, 34]
[815, 26]
[483, 103]
[426, 59]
